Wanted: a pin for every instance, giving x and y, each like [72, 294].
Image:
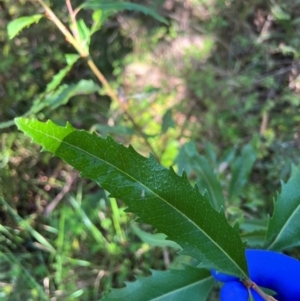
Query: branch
[85, 54]
[73, 19]
[70, 38]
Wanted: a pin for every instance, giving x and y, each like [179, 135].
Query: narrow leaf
[206, 178]
[98, 17]
[241, 168]
[255, 239]
[115, 6]
[168, 121]
[84, 34]
[15, 26]
[65, 92]
[59, 97]
[190, 283]
[57, 78]
[157, 195]
[284, 227]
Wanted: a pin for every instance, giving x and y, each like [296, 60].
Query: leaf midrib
[194, 283]
[158, 196]
[284, 226]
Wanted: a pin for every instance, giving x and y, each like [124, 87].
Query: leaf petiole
[250, 284]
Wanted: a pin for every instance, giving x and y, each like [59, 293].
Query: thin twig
[50, 207]
[109, 90]
[51, 15]
[73, 19]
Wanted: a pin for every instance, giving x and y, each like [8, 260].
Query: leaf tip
[152, 158]
[184, 175]
[69, 126]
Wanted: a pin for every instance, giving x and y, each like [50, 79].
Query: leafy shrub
[167, 201]
[235, 84]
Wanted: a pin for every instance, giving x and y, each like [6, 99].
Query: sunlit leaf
[15, 26]
[157, 195]
[84, 34]
[57, 78]
[98, 17]
[65, 92]
[115, 6]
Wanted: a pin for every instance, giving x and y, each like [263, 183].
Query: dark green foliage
[214, 88]
[175, 284]
[157, 195]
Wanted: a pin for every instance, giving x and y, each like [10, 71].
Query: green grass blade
[23, 223]
[98, 236]
[115, 6]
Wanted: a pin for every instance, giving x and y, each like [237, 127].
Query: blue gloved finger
[236, 291]
[275, 271]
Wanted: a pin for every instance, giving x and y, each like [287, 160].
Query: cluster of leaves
[167, 201]
[238, 69]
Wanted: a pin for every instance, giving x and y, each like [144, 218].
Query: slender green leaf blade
[241, 168]
[57, 78]
[255, 239]
[284, 226]
[98, 17]
[119, 6]
[168, 121]
[190, 283]
[157, 195]
[63, 94]
[206, 178]
[24, 224]
[15, 26]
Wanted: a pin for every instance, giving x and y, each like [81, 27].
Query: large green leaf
[284, 226]
[190, 283]
[114, 6]
[15, 26]
[157, 195]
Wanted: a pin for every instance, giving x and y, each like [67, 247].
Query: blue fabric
[268, 269]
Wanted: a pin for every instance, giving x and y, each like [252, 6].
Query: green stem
[116, 219]
[8, 256]
[95, 232]
[85, 54]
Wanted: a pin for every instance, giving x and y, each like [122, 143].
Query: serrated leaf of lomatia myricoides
[189, 283]
[156, 194]
[284, 227]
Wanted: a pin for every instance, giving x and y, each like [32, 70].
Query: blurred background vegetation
[214, 90]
